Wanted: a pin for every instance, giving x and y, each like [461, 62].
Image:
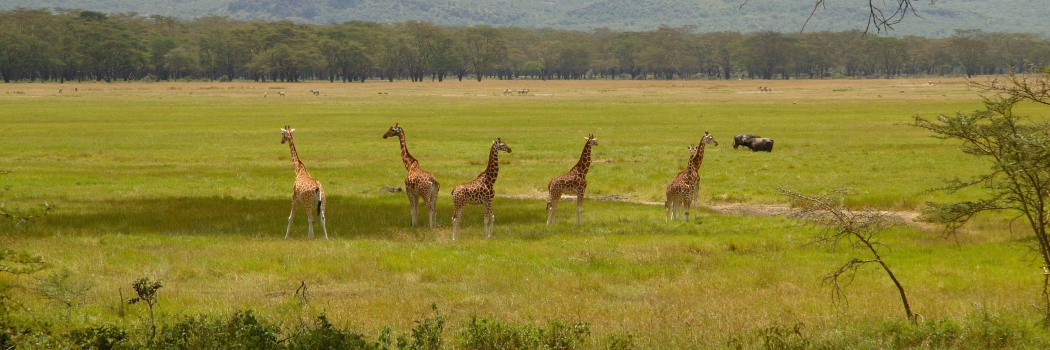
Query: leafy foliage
[494, 334]
[1016, 148]
[147, 292]
[88, 45]
[243, 330]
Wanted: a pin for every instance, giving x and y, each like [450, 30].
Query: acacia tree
[1017, 150]
[486, 47]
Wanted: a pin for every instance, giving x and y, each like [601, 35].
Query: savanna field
[188, 184]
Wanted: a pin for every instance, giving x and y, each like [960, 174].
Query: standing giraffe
[306, 191]
[479, 191]
[708, 139]
[419, 182]
[684, 188]
[575, 181]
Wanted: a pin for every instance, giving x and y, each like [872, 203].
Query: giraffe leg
[432, 213]
[413, 202]
[455, 220]
[552, 207]
[687, 206]
[324, 223]
[431, 201]
[290, 217]
[490, 220]
[579, 209]
[667, 210]
[310, 219]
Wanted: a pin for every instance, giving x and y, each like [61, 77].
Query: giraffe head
[692, 151]
[591, 140]
[286, 132]
[709, 139]
[394, 131]
[499, 145]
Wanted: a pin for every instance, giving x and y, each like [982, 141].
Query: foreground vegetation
[187, 184]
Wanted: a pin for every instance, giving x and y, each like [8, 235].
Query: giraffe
[306, 190]
[684, 188]
[480, 190]
[708, 139]
[575, 181]
[419, 182]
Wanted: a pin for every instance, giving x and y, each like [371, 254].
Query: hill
[938, 19]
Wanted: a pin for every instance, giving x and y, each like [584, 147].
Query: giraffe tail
[434, 188]
[320, 199]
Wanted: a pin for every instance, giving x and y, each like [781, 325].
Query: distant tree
[627, 48]
[970, 48]
[106, 48]
[486, 47]
[767, 54]
[182, 61]
[888, 55]
[428, 44]
[718, 48]
[669, 51]
[158, 51]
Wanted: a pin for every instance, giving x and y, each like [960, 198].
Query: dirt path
[909, 217]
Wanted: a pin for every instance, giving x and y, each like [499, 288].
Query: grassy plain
[187, 183]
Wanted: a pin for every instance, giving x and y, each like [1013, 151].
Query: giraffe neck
[492, 170]
[409, 160]
[299, 166]
[696, 160]
[584, 164]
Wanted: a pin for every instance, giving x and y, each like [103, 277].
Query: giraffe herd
[682, 192]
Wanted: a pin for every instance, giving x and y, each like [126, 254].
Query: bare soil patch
[911, 218]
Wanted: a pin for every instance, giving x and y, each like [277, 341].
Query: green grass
[188, 184]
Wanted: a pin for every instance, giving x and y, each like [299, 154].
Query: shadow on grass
[348, 217]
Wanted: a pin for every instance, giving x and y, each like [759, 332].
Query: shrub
[100, 338]
[940, 333]
[323, 335]
[493, 334]
[427, 333]
[242, 331]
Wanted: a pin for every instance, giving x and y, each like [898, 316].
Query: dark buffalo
[744, 140]
[761, 144]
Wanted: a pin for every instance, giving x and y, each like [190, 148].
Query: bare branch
[841, 223]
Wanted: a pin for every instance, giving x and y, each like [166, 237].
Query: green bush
[99, 338]
[242, 331]
[493, 334]
[940, 333]
[323, 335]
[427, 333]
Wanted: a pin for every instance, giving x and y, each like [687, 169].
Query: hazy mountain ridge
[939, 19]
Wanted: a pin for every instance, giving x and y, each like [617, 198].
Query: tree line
[65, 45]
